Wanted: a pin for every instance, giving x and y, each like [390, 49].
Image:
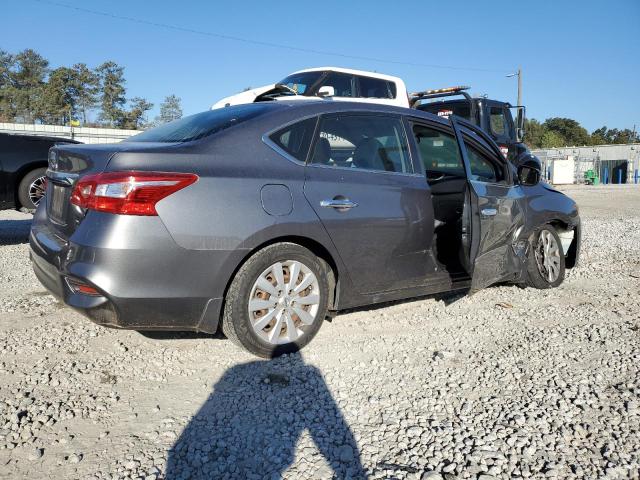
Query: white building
[612, 163]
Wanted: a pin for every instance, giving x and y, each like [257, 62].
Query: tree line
[566, 132]
[32, 92]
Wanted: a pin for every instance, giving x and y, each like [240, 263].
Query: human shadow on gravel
[250, 425]
[13, 232]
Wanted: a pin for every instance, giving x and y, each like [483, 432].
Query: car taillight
[128, 193]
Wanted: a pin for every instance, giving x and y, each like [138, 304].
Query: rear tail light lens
[128, 193]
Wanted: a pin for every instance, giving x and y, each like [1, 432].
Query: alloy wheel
[37, 190]
[284, 302]
[547, 254]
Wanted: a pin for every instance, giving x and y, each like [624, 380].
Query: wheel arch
[21, 173]
[563, 229]
[310, 244]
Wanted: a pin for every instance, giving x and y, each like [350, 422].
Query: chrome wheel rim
[548, 256]
[284, 302]
[37, 189]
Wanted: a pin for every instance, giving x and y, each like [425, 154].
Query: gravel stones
[431, 389]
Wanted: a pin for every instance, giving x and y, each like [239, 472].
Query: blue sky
[580, 59]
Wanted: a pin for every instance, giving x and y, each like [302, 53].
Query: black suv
[23, 164]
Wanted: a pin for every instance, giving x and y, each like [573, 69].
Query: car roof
[352, 72]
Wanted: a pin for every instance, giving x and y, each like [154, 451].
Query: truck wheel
[277, 301]
[32, 188]
[545, 264]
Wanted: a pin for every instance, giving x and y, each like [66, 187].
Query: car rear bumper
[159, 287]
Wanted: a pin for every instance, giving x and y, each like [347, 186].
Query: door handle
[338, 204]
[489, 212]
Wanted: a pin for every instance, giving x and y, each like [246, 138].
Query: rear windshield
[201, 125]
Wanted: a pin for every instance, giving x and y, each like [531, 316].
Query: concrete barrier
[81, 134]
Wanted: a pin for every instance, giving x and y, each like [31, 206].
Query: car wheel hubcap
[548, 256]
[37, 189]
[284, 302]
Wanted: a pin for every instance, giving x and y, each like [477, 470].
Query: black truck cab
[492, 116]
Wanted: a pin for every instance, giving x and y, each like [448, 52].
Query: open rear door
[493, 209]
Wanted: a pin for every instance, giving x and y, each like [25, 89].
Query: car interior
[446, 176]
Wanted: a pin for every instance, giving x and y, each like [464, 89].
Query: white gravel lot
[508, 383]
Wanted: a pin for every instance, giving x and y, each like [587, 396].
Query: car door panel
[360, 182]
[497, 213]
[385, 241]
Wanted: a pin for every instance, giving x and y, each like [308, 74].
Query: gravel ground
[508, 383]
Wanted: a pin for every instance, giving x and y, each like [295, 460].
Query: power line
[259, 42]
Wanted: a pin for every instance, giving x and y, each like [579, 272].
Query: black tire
[236, 324]
[24, 198]
[535, 277]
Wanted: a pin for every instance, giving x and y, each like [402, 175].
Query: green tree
[86, 87]
[7, 90]
[570, 130]
[112, 93]
[28, 80]
[551, 139]
[533, 133]
[57, 105]
[625, 136]
[136, 117]
[170, 109]
[600, 136]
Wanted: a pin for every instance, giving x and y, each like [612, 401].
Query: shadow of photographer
[252, 423]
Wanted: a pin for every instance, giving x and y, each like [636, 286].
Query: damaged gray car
[266, 219]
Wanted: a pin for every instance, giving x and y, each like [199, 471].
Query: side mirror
[326, 91]
[529, 175]
[520, 118]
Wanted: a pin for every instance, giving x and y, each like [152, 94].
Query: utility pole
[519, 86]
[519, 75]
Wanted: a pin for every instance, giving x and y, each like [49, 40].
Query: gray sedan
[265, 219]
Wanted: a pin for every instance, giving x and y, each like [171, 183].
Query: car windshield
[201, 125]
[301, 82]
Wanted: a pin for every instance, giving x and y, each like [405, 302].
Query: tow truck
[492, 116]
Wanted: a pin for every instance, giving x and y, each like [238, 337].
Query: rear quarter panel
[223, 212]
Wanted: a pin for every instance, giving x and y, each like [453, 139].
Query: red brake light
[128, 193]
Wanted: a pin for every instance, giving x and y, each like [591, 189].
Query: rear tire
[31, 189]
[275, 328]
[546, 262]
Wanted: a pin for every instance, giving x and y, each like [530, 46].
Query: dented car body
[394, 202]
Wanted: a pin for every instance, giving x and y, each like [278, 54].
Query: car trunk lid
[69, 163]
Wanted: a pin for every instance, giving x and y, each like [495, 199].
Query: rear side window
[439, 151]
[295, 139]
[200, 125]
[375, 88]
[342, 84]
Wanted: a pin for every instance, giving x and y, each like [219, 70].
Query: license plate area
[58, 203]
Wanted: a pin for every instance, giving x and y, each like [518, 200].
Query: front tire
[277, 300]
[546, 262]
[32, 188]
